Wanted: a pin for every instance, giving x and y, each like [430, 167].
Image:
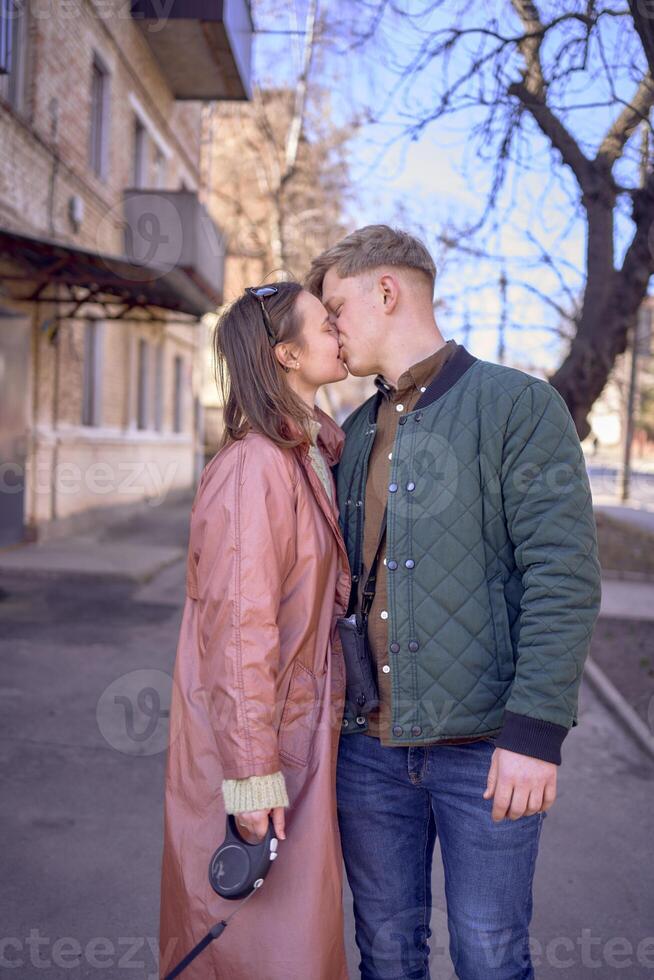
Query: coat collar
[418, 375]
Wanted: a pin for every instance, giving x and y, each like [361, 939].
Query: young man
[487, 591]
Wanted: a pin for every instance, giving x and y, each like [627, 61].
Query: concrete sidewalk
[623, 599]
[639, 517]
[81, 817]
[133, 548]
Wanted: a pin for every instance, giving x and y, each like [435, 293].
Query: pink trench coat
[259, 685]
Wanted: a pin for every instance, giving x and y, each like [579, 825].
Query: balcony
[172, 230]
[203, 47]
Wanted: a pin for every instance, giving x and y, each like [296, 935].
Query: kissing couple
[450, 520]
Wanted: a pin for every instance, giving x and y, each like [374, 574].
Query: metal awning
[46, 271]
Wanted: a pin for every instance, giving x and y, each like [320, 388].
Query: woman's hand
[253, 825]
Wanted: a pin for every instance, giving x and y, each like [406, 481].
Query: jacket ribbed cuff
[255, 793]
[532, 736]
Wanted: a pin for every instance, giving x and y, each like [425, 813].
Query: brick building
[245, 144]
[109, 259]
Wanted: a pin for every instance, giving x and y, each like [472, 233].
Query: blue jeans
[393, 802]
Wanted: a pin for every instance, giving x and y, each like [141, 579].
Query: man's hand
[253, 825]
[519, 785]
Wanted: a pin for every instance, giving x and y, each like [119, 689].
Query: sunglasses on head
[260, 293]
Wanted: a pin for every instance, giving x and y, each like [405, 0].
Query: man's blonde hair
[370, 248]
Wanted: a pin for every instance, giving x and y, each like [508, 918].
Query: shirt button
[411, 486]
[416, 730]
[392, 564]
[399, 408]
[397, 731]
[390, 455]
[394, 647]
[423, 389]
[414, 646]
[386, 669]
[410, 563]
[383, 614]
[392, 488]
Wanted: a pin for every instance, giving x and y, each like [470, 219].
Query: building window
[92, 373]
[140, 149]
[159, 169]
[13, 44]
[158, 387]
[178, 395]
[98, 137]
[143, 385]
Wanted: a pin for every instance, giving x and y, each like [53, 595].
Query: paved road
[605, 484]
[81, 807]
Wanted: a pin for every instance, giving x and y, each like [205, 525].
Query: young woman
[259, 681]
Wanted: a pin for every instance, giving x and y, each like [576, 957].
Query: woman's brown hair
[253, 385]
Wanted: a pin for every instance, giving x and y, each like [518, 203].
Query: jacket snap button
[393, 488]
[410, 486]
[345, 723]
[413, 646]
[361, 720]
[397, 731]
[410, 563]
[394, 647]
[392, 564]
[416, 730]
[402, 421]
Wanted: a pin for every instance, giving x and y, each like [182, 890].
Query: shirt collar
[419, 374]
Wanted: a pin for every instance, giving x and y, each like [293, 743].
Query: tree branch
[623, 127]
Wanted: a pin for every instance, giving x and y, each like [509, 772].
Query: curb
[617, 575]
[107, 575]
[609, 694]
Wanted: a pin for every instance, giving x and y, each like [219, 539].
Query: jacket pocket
[297, 726]
[501, 628]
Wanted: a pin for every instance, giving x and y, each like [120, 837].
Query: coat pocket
[501, 629]
[297, 726]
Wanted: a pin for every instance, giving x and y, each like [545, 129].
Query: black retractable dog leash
[236, 871]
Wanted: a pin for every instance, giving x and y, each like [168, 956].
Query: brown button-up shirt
[395, 403]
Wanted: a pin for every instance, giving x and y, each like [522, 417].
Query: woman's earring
[287, 369]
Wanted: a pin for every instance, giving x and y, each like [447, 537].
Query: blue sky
[439, 179]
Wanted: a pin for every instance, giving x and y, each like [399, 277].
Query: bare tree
[279, 179]
[526, 78]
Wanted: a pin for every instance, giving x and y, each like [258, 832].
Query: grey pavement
[137, 547]
[82, 762]
[605, 481]
[636, 516]
[627, 600]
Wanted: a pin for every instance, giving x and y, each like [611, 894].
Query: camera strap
[368, 594]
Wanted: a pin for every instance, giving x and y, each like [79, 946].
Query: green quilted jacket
[488, 500]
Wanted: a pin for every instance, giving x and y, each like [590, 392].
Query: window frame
[99, 117]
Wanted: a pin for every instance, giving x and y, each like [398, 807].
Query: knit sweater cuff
[255, 793]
